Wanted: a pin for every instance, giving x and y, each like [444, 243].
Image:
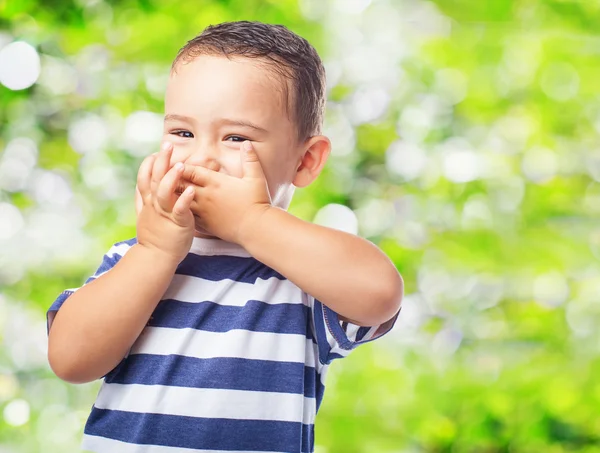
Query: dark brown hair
[288, 54]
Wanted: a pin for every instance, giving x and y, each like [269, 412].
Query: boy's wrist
[254, 226]
[157, 257]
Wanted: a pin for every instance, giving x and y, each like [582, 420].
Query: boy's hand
[165, 222]
[227, 206]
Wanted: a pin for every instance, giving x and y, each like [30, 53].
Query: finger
[182, 184]
[139, 202]
[181, 209]
[144, 175]
[161, 165]
[250, 163]
[197, 175]
[165, 193]
[213, 165]
[195, 207]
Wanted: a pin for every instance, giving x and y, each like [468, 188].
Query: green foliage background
[465, 139]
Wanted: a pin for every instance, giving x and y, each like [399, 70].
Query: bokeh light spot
[539, 164]
[19, 65]
[551, 289]
[11, 220]
[337, 216]
[405, 159]
[16, 413]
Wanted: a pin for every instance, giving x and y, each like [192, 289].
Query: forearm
[345, 272]
[97, 325]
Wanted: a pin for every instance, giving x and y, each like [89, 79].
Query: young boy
[213, 329]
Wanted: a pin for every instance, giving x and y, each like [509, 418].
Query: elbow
[388, 299]
[67, 368]
[383, 301]
[67, 371]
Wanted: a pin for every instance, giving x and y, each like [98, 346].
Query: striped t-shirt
[233, 359]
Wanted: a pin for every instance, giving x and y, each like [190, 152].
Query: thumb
[250, 163]
[139, 203]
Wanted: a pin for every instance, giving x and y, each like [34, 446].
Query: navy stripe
[333, 324]
[362, 331]
[60, 300]
[201, 433]
[131, 242]
[217, 373]
[254, 316]
[108, 262]
[321, 334]
[319, 396]
[221, 267]
[312, 383]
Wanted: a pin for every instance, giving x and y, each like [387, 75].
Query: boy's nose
[206, 157]
[211, 164]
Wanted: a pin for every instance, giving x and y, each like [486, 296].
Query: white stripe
[95, 276]
[103, 445]
[352, 331]
[333, 344]
[323, 373]
[334, 347]
[337, 350]
[234, 343]
[187, 288]
[312, 359]
[207, 247]
[369, 335]
[207, 403]
[120, 250]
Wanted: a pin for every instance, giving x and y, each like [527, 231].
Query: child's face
[213, 104]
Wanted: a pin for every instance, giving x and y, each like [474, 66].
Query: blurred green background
[465, 144]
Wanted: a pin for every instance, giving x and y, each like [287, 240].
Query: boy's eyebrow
[173, 117]
[243, 123]
[225, 121]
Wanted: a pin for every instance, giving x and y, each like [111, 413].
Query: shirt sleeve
[335, 338]
[111, 258]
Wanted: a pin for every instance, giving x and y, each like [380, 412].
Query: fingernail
[165, 146]
[247, 145]
[178, 166]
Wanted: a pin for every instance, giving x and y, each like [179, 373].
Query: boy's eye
[184, 134]
[235, 138]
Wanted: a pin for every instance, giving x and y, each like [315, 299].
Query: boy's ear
[315, 152]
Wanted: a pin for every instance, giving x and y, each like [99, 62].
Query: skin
[201, 110]
[228, 167]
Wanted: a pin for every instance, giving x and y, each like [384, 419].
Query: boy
[215, 326]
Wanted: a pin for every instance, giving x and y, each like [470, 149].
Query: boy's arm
[346, 273]
[96, 326]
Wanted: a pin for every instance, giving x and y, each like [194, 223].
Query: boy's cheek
[179, 154]
[232, 165]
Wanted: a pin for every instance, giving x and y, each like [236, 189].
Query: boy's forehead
[237, 82]
[233, 74]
